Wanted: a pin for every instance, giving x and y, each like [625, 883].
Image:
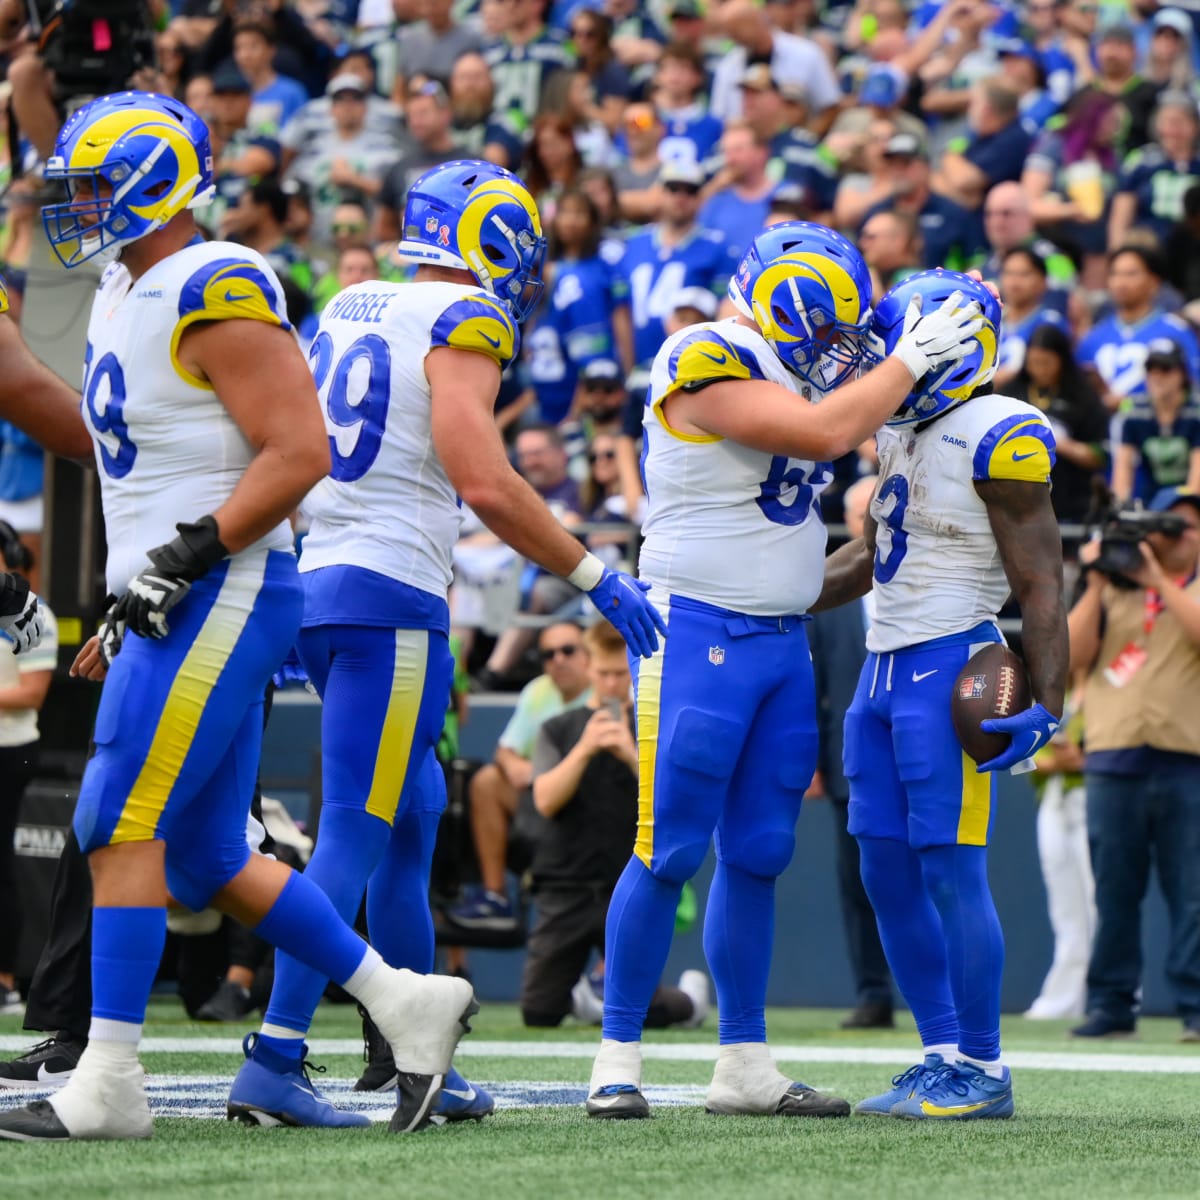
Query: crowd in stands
[1053, 144]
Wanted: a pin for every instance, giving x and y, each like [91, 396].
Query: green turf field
[1092, 1122]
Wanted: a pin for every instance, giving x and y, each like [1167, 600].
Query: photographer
[1136, 632]
[75, 49]
[585, 783]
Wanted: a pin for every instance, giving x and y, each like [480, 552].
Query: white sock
[371, 981]
[123, 1033]
[282, 1032]
[995, 1068]
[948, 1051]
[617, 1062]
[746, 1054]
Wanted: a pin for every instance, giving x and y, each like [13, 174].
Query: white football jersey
[387, 505]
[937, 567]
[166, 448]
[725, 524]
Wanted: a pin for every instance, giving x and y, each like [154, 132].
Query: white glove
[26, 627]
[939, 339]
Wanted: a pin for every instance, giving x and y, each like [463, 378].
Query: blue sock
[637, 938]
[127, 947]
[398, 917]
[739, 931]
[911, 932]
[306, 928]
[956, 879]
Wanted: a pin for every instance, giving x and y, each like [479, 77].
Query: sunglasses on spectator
[640, 120]
[554, 651]
[598, 455]
[685, 189]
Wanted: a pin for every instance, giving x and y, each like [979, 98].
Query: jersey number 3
[891, 542]
[367, 412]
[98, 378]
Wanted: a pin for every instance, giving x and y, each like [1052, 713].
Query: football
[993, 684]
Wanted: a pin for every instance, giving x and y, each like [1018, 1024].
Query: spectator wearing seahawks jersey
[1160, 436]
[274, 97]
[1113, 352]
[1154, 178]
[524, 57]
[691, 133]
[660, 260]
[477, 129]
[1025, 291]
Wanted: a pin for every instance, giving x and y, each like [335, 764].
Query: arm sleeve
[1019, 447]
[228, 289]
[480, 324]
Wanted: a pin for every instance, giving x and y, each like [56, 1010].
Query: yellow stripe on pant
[399, 723]
[185, 705]
[976, 805]
[649, 701]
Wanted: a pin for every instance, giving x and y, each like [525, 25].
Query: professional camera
[1121, 536]
[93, 46]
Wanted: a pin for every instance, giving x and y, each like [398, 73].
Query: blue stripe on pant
[727, 745]
[179, 727]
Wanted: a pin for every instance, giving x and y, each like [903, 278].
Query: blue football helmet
[130, 161]
[475, 216]
[809, 292]
[952, 385]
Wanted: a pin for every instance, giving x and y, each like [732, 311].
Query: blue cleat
[460, 1101]
[958, 1092]
[903, 1086]
[272, 1089]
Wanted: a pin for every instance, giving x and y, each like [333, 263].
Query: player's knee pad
[766, 853]
[195, 874]
[677, 863]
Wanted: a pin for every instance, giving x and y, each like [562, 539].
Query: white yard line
[688, 1052]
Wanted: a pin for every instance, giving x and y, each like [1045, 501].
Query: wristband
[587, 573]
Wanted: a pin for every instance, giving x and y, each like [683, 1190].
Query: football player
[408, 376]
[961, 516]
[207, 434]
[735, 457]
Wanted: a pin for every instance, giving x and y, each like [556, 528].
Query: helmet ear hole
[159, 189]
[493, 253]
[782, 316]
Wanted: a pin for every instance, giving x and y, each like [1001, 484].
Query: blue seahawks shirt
[520, 72]
[735, 219]
[796, 158]
[575, 329]
[649, 277]
[690, 135]
[1164, 451]
[1015, 337]
[1117, 352]
[1159, 185]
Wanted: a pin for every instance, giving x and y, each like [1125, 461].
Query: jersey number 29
[367, 411]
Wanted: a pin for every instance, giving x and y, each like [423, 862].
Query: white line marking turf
[1028, 1060]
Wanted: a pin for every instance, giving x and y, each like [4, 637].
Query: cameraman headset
[1137, 636]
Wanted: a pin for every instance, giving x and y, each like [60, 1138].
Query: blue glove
[622, 600]
[1030, 731]
[291, 672]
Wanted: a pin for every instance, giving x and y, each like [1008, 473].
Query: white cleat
[423, 1017]
[98, 1104]
[615, 1091]
[746, 1082]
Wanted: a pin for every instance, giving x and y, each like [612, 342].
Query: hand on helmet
[939, 338]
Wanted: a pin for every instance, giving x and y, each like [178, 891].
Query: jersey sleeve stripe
[226, 289]
[480, 325]
[1020, 447]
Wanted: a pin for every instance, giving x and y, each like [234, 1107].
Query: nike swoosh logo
[1023, 457]
[232, 296]
[923, 675]
[936, 1110]
[46, 1076]
[713, 358]
[466, 1096]
[1037, 741]
[491, 341]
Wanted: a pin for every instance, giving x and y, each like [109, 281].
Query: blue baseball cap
[1166, 498]
[881, 87]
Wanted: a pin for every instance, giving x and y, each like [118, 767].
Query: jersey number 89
[367, 412]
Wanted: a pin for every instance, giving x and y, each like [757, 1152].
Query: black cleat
[802, 1101]
[415, 1098]
[230, 1002]
[48, 1065]
[36, 1122]
[380, 1074]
